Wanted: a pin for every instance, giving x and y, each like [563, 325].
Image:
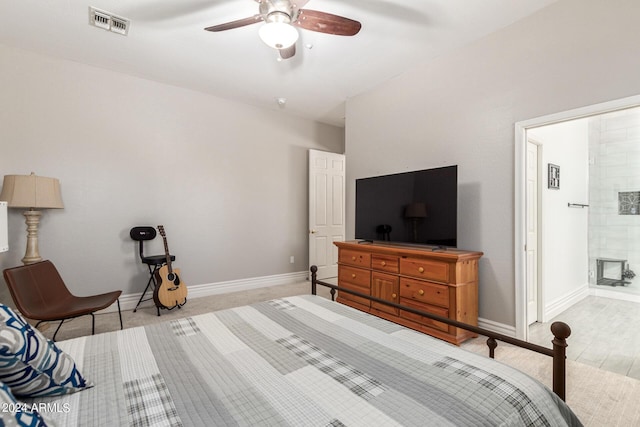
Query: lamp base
[32, 219]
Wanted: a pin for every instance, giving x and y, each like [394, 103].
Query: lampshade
[4, 234]
[31, 191]
[278, 33]
[415, 210]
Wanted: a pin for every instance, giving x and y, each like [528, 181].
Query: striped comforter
[297, 361]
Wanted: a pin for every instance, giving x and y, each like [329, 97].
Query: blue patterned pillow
[32, 365]
[14, 413]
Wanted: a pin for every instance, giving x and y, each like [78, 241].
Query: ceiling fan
[281, 16]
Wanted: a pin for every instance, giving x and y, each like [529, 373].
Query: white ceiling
[167, 43]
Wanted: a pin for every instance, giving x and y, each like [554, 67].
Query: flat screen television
[419, 207]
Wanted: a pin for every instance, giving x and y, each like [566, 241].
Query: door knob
[313, 231]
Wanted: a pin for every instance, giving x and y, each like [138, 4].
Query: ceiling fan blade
[328, 23]
[288, 52]
[235, 24]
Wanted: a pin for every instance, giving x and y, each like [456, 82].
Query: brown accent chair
[40, 294]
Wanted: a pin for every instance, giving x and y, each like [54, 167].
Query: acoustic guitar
[170, 292]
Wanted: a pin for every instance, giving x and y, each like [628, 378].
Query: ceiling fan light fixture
[278, 32]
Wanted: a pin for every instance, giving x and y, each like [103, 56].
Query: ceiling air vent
[119, 25]
[108, 21]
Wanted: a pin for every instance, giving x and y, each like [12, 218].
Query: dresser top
[433, 252]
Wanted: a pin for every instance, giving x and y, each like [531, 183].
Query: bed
[298, 361]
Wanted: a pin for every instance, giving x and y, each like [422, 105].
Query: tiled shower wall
[614, 157]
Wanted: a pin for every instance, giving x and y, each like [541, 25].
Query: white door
[326, 210]
[532, 232]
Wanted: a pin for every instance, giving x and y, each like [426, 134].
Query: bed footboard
[560, 331]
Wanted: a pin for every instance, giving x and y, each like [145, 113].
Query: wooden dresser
[442, 282]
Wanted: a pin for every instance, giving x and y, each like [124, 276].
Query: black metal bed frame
[560, 331]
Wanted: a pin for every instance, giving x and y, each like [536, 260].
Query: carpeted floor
[599, 398]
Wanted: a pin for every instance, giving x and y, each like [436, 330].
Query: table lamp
[31, 192]
[4, 233]
[415, 212]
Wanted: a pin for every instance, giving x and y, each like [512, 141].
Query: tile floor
[605, 333]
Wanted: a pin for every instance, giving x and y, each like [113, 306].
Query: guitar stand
[167, 308]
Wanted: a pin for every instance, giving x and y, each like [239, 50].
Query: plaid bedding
[296, 361]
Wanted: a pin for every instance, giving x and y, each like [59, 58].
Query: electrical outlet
[591, 274]
[292, 259]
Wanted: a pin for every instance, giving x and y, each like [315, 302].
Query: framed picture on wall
[554, 176]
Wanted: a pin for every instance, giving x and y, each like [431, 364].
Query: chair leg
[149, 282]
[57, 329]
[119, 312]
[93, 324]
[152, 280]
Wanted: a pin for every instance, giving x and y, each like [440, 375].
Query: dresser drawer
[438, 311]
[425, 292]
[355, 258]
[390, 264]
[425, 269]
[354, 276]
[355, 279]
[365, 303]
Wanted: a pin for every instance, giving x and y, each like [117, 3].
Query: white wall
[228, 181]
[461, 109]
[563, 244]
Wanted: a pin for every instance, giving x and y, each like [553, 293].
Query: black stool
[153, 262]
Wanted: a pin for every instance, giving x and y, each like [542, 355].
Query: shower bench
[608, 281]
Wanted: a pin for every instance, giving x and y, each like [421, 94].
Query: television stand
[442, 282]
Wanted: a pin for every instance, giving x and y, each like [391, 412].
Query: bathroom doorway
[567, 255]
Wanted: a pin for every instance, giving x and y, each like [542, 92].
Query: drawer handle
[353, 258]
[353, 275]
[383, 263]
[393, 296]
[421, 270]
[420, 292]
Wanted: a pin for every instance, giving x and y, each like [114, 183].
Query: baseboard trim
[499, 328]
[209, 289]
[606, 293]
[129, 301]
[561, 304]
